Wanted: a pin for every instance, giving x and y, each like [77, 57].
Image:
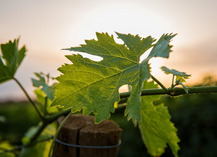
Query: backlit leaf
[181, 76]
[93, 86]
[162, 48]
[155, 126]
[10, 59]
[43, 85]
[44, 93]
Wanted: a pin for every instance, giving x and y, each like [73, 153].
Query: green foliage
[4, 146]
[156, 128]
[162, 48]
[10, 60]
[42, 84]
[44, 93]
[93, 86]
[39, 149]
[41, 98]
[180, 76]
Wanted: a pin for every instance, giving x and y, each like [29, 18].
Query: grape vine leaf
[44, 93]
[43, 85]
[45, 102]
[13, 57]
[155, 126]
[93, 86]
[181, 76]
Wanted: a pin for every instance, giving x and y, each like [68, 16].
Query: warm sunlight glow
[123, 18]
[46, 27]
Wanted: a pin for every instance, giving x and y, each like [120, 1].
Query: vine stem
[30, 100]
[160, 84]
[58, 130]
[47, 121]
[124, 97]
[174, 92]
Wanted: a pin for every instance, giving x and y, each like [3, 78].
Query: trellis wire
[91, 147]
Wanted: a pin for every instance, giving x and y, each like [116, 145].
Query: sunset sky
[45, 27]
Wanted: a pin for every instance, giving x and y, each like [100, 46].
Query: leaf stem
[49, 120]
[45, 105]
[172, 85]
[30, 100]
[160, 84]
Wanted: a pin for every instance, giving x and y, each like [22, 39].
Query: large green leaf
[11, 59]
[93, 86]
[155, 126]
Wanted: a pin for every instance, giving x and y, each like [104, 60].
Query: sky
[45, 27]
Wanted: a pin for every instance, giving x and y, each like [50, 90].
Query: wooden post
[81, 131]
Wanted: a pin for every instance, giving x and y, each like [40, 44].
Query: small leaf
[155, 126]
[10, 60]
[41, 98]
[181, 76]
[44, 93]
[42, 84]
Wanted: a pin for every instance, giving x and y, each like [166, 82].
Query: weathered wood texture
[81, 130]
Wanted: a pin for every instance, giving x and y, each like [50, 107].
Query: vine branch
[175, 91]
[47, 121]
[124, 97]
[160, 84]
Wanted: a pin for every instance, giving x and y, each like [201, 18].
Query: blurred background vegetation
[195, 117]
